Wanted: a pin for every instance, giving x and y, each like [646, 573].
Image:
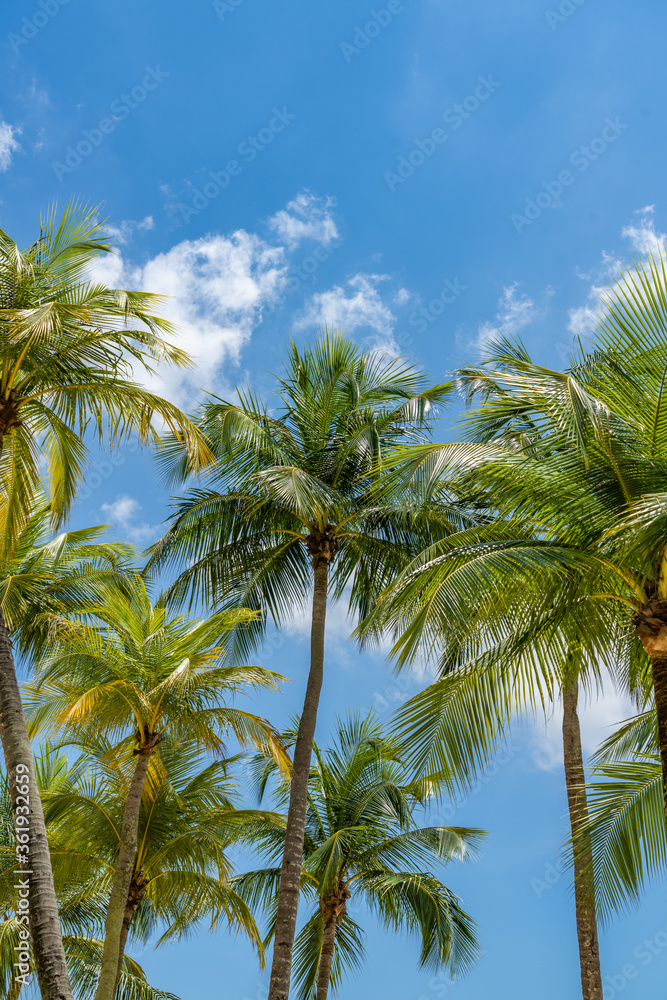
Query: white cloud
[307, 217]
[642, 235]
[8, 143]
[217, 286]
[123, 512]
[125, 230]
[642, 238]
[107, 269]
[361, 306]
[214, 288]
[583, 319]
[515, 311]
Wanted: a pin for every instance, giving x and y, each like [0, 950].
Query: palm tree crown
[68, 350]
[363, 844]
[290, 489]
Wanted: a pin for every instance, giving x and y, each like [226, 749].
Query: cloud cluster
[643, 238]
[219, 286]
[123, 513]
[307, 217]
[357, 306]
[215, 288]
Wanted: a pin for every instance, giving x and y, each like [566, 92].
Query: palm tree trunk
[125, 930]
[134, 897]
[584, 892]
[326, 958]
[45, 929]
[650, 623]
[333, 910]
[290, 876]
[113, 929]
[659, 666]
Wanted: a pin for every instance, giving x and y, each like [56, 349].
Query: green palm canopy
[363, 846]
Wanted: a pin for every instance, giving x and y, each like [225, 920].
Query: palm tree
[67, 351]
[189, 817]
[295, 506]
[49, 577]
[132, 672]
[80, 901]
[609, 416]
[542, 621]
[363, 843]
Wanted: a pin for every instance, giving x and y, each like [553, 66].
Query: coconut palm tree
[133, 672]
[363, 844]
[68, 351]
[188, 819]
[47, 577]
[295, 510]
[546, 610]
[80, 901]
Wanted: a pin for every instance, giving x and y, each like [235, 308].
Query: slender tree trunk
[326, 958]
[42, 911]
[332, 911]
[113, 929]
[659, 665]
[125, 930]
[651, 626]
[290, 876]
[134, 897]
[584, 891]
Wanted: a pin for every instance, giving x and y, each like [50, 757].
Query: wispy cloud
[126, 229]
[307, 217]
[357, 306]
[9, 144]
[124, 513]
[516, 310]
[642, 237]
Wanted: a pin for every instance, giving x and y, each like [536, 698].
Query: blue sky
[422, 174]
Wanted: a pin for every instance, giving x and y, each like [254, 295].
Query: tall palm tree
[296, 508]
[132, 672]
[540, 622]
[67, 351]
[189, 817]
[363, 843]
[80, 901]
